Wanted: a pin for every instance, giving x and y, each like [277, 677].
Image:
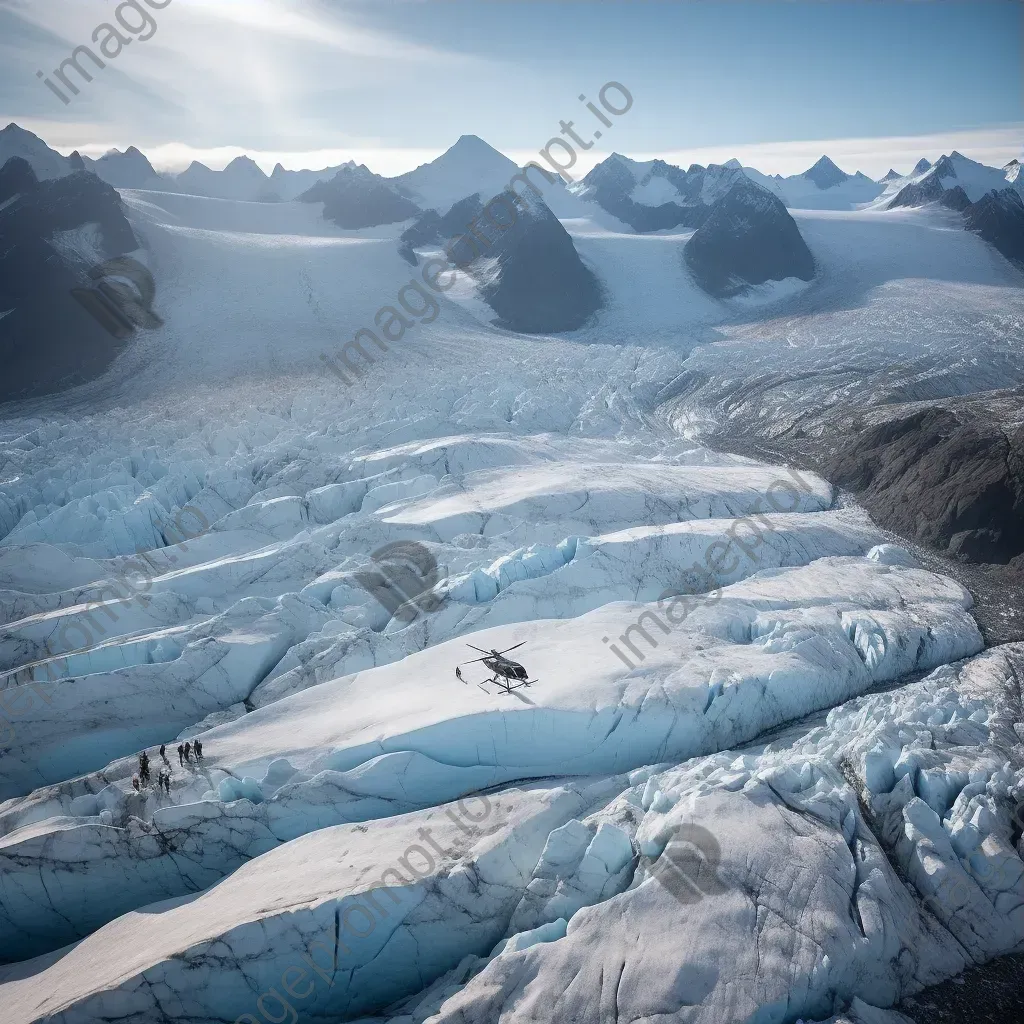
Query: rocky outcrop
[357, 198]
[49, 339]
[527, 268]
[998, 217]
[917, 193]
[955, 198]
[747, 239]
[940, 477]
[16, 176]
[533, 277]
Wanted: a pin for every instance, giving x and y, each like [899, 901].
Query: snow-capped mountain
[825, 174]
[45, 162]
[655, 195]
[824, 186]
[357, 198]
[470, 166]
[130, 169]
[241, 179]
[291, 184]
[747, 238]
[953, 171]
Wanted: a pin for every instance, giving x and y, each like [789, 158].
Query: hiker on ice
[197, 749]
[163, 754]
[188, 751]
[181, 754]
[144, 767]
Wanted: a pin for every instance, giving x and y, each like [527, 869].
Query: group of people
[186, 751]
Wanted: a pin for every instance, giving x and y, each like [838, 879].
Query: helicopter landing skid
[505, 687]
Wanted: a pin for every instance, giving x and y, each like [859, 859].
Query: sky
[310, 83]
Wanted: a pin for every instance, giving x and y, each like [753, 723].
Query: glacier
[181, 547]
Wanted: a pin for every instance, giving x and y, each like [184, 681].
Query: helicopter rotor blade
[507, 649]
[480, 649]
[473, 662]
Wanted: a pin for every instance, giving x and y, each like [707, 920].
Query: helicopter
[508, 675]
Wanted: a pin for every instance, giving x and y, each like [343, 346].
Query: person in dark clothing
[181, 754]
[144, 767]
[135, 783]
[197, 747]
[188, 751]
[167, 782]
[163, 753]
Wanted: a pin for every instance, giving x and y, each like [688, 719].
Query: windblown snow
[716, 647]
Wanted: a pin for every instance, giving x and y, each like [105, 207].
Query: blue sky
[395, 83]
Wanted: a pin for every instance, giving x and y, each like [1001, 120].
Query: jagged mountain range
[529, 270]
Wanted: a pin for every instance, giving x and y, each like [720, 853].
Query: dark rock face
[16, 176]
[541, 285]
[953, 483]
[921, 166]
[825, 174]
[955, 198]
[891, 175]
[357, 198]
[748, 238]
[48, 339]
[433, 229]
[529, 271]
[917, 193]
[999, 218]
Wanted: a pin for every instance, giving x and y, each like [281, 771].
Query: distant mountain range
[650, 195]
[503, 225]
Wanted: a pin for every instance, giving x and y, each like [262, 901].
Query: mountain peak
[733, 164]
[921, 166]
[825, 173]
[890, 175]
[245, 165]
